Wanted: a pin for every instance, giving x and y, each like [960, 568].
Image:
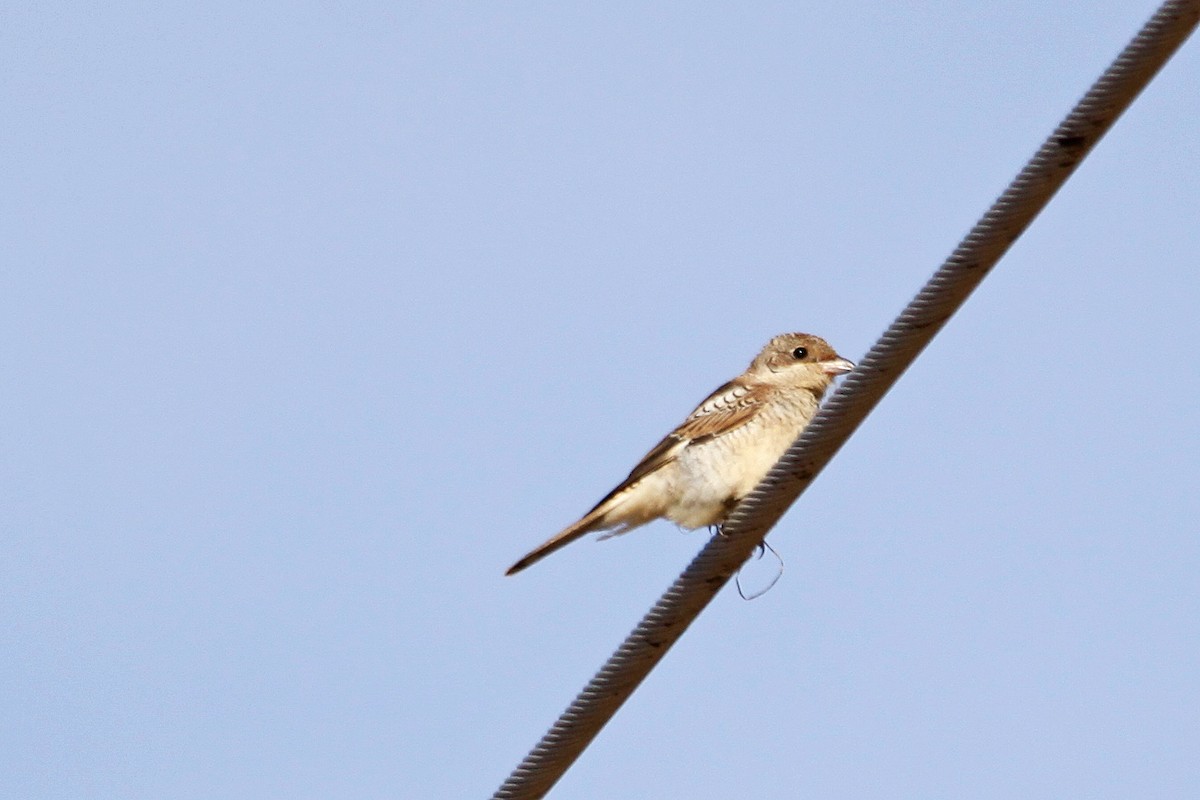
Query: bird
[702, 469]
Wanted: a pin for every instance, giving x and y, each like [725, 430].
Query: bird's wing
[731, 406]
[728, 408]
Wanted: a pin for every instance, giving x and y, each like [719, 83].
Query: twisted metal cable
[895, 351]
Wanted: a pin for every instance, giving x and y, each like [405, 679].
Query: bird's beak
[837, 366]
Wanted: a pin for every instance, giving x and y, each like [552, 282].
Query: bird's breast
[715, 473]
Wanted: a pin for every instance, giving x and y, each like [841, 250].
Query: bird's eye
[800, 353]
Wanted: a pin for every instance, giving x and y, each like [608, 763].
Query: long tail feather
[591, 522]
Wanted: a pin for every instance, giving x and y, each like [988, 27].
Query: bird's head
[800, 359]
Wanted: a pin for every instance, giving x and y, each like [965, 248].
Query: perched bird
[698, 473]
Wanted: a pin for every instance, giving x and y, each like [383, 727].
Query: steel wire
[878, 371]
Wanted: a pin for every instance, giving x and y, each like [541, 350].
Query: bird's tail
[592, 521]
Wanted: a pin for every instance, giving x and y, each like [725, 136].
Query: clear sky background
[315, 317]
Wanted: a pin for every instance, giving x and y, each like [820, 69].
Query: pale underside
[696, 474]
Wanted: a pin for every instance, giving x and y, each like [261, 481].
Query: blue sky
[314, 318]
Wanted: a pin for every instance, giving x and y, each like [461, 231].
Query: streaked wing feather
[729, 407]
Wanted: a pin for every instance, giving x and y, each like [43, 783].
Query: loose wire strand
[878, 371]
